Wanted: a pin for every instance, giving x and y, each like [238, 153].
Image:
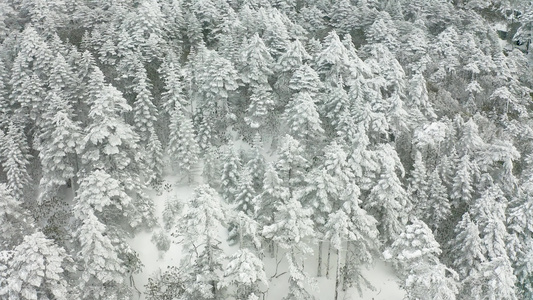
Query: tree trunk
[346, 262]
[319, 270]
[338, 274]
[327, 261]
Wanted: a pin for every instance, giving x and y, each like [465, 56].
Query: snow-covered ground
[380, 275]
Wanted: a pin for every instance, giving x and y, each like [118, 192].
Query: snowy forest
[253, 142]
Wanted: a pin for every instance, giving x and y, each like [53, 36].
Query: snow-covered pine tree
[16, 221]
[15, 159]
[201, 266]
[291, 164]
[489, 212]
[246, 272]
[305, 79]
[245, 193]
[388, 201]
[256, 164]
[112, 146]
[467, 257]
[183, 149]
[292, 231]
[231, 169]
[273, 196]
[59, 141]
[37, 270]
[303, 121]
[438, 207]
[415, 254]
[103, 210]
[256, 63]
[288, 63]
[154, 158]
[418, 184]
[144, 111]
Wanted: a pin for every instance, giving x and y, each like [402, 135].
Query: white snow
[380, 274]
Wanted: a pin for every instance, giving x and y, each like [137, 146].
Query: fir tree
[230, 175]
[245, 193]
[15, 160]
[415, 254]
[245, 271]
[182, 147]
[154, 158]
[388, 201]
[438, 207]
[201, 220]
[37, 270]
[303, 120]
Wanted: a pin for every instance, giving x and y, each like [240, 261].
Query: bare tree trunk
[319, 270]
[327, 261]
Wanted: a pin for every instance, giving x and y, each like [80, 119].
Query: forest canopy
[346, 132]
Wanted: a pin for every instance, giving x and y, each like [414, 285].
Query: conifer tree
[245, 193]
[468, 256]
[154, 158]
[112, 145]
[245, 271]
[418, 186]
[292, 230]
[388, 201]
[438, 207]
[59, 146]
[144, 110]
[289, 62]
[303, 120]
[274, 195]
[257, 62]
[230, 175]
[305, 79]
[202, 268]
[256, 164]
[15, 159]
[291, 164]
[103, 249]
[415, 254]
[182, 146]
[36, 270]
[16, 221]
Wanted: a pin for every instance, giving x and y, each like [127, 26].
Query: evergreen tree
[245, 271]
[104, 252]
[16, 221]
[36, 270]
[438, 207]
[230, 175]
[305, 79]
[415, 254]
[388, 201]
[182, 147]
[245, 193]
[468, 256]
[201, 268]
[154, 159]
[419, 183]
[256, 164]
[144, 110]
[303, 121]
[15, 160]
[257, 62]
[292, 230]
[291, 164]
